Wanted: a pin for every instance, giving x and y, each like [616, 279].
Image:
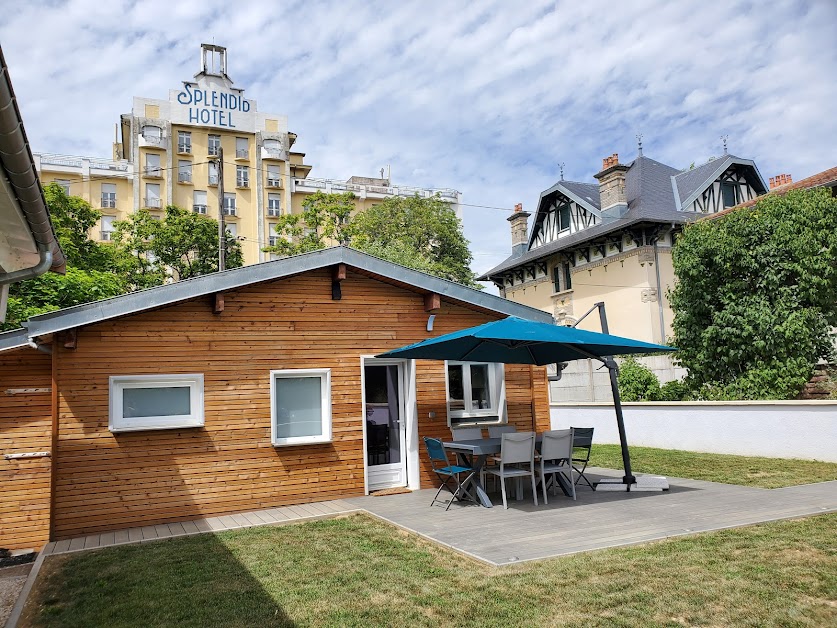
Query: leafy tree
[754, 302]
[421, 233]
[637, 382]
[183, 243]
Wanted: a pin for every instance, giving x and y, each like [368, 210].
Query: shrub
[637, 382]
[676, 390]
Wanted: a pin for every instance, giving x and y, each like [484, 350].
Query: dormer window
[729, 192]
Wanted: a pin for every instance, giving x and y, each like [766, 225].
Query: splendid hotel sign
[212, 107]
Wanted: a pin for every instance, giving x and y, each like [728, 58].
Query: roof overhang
[170, 294]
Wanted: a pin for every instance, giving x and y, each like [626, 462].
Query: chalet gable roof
[690, 184]
[170, 294]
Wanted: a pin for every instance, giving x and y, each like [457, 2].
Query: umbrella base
[643, 483]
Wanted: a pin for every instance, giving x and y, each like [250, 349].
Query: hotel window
[274, 205]
[729, 191]
[199, 202]
[561, 278]
[242, 176]
[108, 195]
[273, 237]
[231, 228]
[213, 173]
[476, 392]
[64, 184]
[152, 134]
[184, 142]
[155, 402]
[273, 177]
[214, 144]
[184, 171]
[107, 227]
[152, 165]
[242, 148]
[229, 203]
[300, 405]
[152, 196]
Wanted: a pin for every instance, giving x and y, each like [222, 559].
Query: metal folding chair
[582, 443]
[447, 472]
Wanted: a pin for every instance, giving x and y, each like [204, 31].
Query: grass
[358, 571]
[743, 470]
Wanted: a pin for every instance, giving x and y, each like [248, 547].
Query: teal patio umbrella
[519, 341]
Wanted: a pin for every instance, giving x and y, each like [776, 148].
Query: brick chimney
[780, 179]
[612, 194]
[520, 237]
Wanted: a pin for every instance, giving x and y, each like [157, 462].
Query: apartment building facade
[168, 152]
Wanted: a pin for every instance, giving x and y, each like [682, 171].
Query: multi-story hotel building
[166, 152]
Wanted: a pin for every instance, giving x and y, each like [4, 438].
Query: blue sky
[485, 97]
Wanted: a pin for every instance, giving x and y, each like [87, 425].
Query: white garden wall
[776, 429]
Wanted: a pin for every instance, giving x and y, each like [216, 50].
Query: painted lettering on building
[212, 107]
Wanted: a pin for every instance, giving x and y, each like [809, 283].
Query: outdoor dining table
[474, 453]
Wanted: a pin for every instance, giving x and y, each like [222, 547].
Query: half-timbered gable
[718, 185]
[567, 208]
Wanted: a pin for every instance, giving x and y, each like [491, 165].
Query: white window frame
[118, 383]
[325, 401]
[496, 414]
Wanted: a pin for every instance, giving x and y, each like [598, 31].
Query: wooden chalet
[251, 388]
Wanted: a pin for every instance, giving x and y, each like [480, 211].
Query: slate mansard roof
[655, 193]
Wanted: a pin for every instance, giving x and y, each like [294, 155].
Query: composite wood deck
[527, 532]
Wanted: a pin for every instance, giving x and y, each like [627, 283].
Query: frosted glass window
[153, 402]
[145, 402]
[300, 406]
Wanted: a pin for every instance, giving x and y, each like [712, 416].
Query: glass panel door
[385, 426]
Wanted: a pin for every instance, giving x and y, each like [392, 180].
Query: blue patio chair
[447, 472]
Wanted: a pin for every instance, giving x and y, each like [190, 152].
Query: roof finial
[561, 166]
[639, 144]
[724, 138]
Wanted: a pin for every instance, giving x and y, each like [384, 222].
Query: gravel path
[12, 580]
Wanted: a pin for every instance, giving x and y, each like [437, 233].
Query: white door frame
[408, 388]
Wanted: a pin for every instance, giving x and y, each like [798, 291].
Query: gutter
[18, 165]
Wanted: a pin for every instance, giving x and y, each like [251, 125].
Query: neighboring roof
[14, 339]
[826, 178]
[18, 166]
[162, 296]
[655, 193]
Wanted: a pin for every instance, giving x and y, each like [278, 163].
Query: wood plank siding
[25, 420]
[105, 481]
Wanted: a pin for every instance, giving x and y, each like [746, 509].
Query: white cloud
[485, 97]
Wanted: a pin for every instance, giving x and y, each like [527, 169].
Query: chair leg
[543, 487]
[503, 488]
[534, 489]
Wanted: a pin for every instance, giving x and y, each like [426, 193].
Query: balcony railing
[242, 153]
[108, 202]
[184, 177]
[154, 171]
[402, 190]
[154, 140]
[213, 150]
[229, 211]
[274, 211]
[71, 161]
[199, 209]
[152, 203]
[213, 179]
[242, 183]
[274, 182]
[107, 235]
[184, 148]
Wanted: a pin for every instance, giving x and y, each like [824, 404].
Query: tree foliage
[755, 299]
[421, 233]
[183, 243]
[637, 382]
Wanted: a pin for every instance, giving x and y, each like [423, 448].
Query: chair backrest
[557, 445]
[517, 447]
[435, 449]
[496, 431]
[582, 436]
[466, 433]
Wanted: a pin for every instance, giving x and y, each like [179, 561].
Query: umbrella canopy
[519, 341]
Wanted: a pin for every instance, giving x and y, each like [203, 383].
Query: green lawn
[744, 470]
[357, 571]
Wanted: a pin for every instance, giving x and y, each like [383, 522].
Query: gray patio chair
[556, 458]
[496, 431]
[582, 443]
[517, 451]
[466, 433]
